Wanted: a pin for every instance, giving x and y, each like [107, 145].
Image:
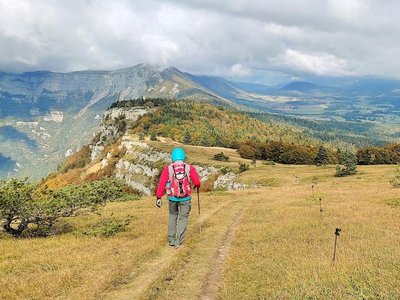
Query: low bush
[24, 204]
[221, 157]
[243, 167]
[350, 165]
[395, 181]
[107, 228]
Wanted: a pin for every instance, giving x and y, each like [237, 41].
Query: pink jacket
[194, 177]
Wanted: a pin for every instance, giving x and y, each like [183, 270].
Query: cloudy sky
[238, 39]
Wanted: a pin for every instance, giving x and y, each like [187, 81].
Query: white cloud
[238, 70]
[235, 38]
[315, 63]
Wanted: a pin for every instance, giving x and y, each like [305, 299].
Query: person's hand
[158, 202]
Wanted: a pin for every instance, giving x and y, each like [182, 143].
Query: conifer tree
[187, 138]
[321, 159]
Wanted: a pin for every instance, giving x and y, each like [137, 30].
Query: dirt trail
[152, 270]
[211, 287]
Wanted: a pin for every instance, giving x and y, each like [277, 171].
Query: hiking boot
[174, 243]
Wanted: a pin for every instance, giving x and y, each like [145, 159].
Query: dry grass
[203, 155]
[282, 250]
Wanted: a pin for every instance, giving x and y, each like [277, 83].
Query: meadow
[269, 243]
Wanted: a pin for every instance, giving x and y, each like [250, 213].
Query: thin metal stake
[337, 233]
[312, 188]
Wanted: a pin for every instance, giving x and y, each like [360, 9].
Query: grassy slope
[282, 248]
[201, 155]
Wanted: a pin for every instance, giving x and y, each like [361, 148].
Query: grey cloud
[239, 39]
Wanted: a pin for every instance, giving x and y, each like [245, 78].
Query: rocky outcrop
[132, 113]
[141, 165]
[206, 171]
[111, 128]
[108, 134]
[228, 182]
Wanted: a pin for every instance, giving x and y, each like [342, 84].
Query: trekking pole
[198, 201]
[198, 207]
[337, 233]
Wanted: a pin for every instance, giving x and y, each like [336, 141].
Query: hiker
[177, 179]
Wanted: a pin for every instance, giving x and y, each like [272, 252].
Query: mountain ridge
[60, 111]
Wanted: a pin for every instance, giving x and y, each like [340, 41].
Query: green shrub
[243, 167]
[393, 202]
[107, 228]
[395, 181]
[24, 204]
[225, 170]
[221, 157]
[153, 136]
[350, 165]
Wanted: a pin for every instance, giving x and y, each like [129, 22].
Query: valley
[46, 116]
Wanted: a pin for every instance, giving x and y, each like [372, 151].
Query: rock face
[141, 165]
[108, 134]
[131, 113]
[109, 131]
[228, 182]
[206, 171]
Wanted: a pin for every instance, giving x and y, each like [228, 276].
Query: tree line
[389, 154]
[290, 153]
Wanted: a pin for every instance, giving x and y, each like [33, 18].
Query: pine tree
[321, 159]
[339, 155]
[187, 138]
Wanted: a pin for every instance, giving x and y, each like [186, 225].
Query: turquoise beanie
[178, 154]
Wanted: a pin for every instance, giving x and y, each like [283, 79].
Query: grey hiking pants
[178, 219]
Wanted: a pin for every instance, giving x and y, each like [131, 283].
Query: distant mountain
[255, 88]
[300, 86]
[218, 85]
[307, 87]
[45, 116]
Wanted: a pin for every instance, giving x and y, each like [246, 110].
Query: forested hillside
[336, 133]
[204, 124]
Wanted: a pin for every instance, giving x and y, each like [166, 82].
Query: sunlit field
[269, 243]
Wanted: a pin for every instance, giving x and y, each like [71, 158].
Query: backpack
[179, 185]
